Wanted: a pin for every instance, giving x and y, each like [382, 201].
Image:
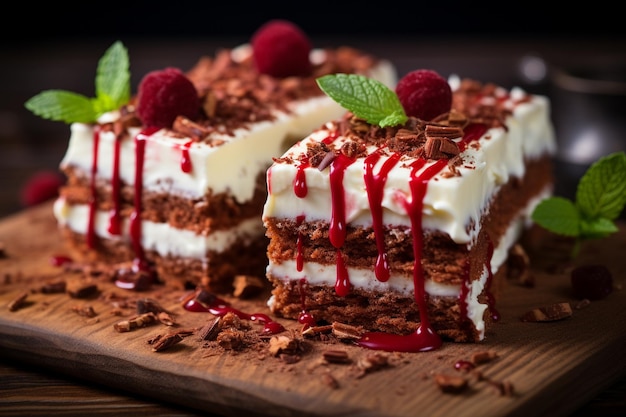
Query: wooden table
[28, 144]
[27, 391]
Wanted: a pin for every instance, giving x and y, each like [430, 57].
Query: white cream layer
[450, 204]
[159, 237]
[232, 167]
[365, 279]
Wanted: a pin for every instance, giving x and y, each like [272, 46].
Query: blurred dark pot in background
[589, 112]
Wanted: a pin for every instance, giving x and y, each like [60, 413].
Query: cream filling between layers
[365, 279]
[159, 237]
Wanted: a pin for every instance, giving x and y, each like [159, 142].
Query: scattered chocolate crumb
[161, 343]
[85, 311]
[284, 344]
[336, 356]
[479, 358]
[553, 312]
[584, 303]
[55, 287]
[330, 380]
[211, 329]
[142, 320]
[79, 289]
[246, 286]
[371, 362]
[451, 384]
[18, 302]
[346, 332]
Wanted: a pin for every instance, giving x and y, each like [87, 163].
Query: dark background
[52, 45]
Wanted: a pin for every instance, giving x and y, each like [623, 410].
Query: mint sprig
[112, 91]
[600, 199]
[367, 98]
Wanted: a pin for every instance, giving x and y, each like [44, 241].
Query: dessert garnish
[165, 94]
[112, 91]
[600, 198]
[366, 98]
[281, 49]
[422, 93]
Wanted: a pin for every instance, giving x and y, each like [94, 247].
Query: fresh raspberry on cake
[424, 94]
[163, 95]
[281, 49]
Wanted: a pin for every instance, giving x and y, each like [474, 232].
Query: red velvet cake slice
[172, 179]
[399, 216]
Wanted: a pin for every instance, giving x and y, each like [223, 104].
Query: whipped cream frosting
[230, 165]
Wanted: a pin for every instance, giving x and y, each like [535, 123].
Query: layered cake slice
[172, 179]
[398, 218]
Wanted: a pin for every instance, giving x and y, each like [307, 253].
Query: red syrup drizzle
[375, 185]
[299, 182]
[424, 338]
[299, 253]
[205, 302]
[60, 260]
[91, 231]
[304, 318]
[337, 227]
[185, 159]
[140, 263]
[114, 217]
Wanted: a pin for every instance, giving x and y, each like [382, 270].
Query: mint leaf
[600, 199]
[558, 215]
[112, 91]
[601, 191]
[63, 106]
[113, 77]
[367, 98]
[597, 227]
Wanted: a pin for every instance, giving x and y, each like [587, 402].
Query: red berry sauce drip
[114, 217]
[337, 227]
[91, 228]
[375, 186]
[299, 182]
[300, 251]
[463, 365]
[205, 302]
[424, 338]
[185, 159]
[139, 262]
[60, 260]
[304, 317]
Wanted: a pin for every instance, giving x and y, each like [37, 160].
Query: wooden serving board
[553, 367]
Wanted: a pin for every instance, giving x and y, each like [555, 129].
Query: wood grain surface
[554, 367]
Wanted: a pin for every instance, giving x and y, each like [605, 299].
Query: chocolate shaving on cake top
[473, 103]
[235, 95]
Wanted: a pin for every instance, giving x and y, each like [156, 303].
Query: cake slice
[172, 181]
[402, 226]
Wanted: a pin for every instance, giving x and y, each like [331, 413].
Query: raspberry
[41, 186]
[424, 94]
[593, 282]
[165, 94]
[281, 49]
